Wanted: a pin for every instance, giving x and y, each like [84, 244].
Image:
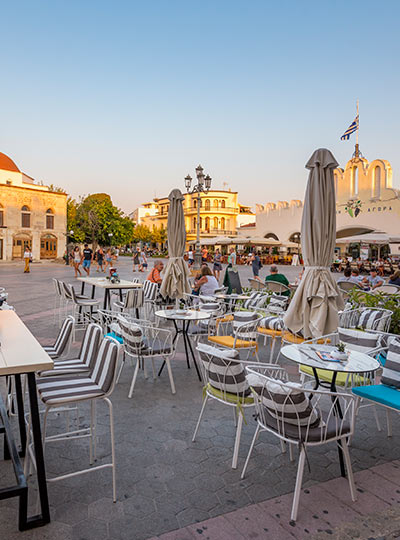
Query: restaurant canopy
[369, 238]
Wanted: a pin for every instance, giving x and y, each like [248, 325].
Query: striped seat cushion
[287, 403]
[243, 317]
[277, 303]
[357, 340]
[253, 300]
[391, 370]
[66, 367]
[224, 370]
[372, 319]
[271, 323]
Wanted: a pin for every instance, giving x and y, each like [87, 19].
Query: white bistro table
[21, 353]
[106, 284]
[356, 363]
[186, 316]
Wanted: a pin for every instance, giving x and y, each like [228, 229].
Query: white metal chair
[366, 318]
[243, 335]
[150, 291]
[277, 287]
[133, 301]
[301, 417]
[387, 289]
[83, 308]
[256, 284]
[144, 342]
[61, 391]
[225, 382]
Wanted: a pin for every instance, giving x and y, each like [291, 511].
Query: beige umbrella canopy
[314, 307]
[175, 281]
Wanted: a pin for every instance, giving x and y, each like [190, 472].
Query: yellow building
[220, 214]
[31, 215]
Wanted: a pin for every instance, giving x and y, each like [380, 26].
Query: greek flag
[351, 129]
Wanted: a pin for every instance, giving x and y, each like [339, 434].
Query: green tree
[142, 233]
[100, 222]
[159, 234]
[78, 234]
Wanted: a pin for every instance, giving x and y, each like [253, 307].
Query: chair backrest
[90, 344]
[348, 285]
[388, 289]
[63, 341]
[66, 290]
[134, 298]
[104, 368]
[256, 300]
[245, 324]
[224, 374]
[366, 318]
[359, 340]
[286, 408]
[150, 290]
[133, 337]
[278, 303]
[57, 286]
[276, 287]
[256, 285]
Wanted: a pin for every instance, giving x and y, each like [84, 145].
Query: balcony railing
[212, 210]
[212, 232]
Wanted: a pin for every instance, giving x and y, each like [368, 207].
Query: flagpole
[357, 152]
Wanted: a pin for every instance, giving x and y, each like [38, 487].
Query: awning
[370, 238]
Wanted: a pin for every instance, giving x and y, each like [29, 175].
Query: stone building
[220, 214]
[30, 215]
[365, 202]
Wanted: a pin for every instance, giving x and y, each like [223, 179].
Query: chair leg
[110, 407]
[299, 480]
[389, 423]
[350, 477]
[171, 378]
[291, 456]
[255, 437]
[237, 441]
[378, 425]
[153, 368]
[235, 418]
[200, 417]
[134, 378]
[121, 367]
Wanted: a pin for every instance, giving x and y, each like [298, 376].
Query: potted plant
[340, 352]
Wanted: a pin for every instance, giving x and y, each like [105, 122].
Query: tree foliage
[142, 233]
[94, 219]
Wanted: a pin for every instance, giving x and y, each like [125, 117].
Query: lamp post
[203, 185]
[110, 235]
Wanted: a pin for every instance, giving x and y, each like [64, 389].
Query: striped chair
[150, 291]
[86, 358]
[134, 299]
[225, 382]
[61, 391]
[63, 342]
[244, 332]
[143, 342]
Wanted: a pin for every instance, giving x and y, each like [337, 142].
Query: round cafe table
[356, 363]
[186, 316]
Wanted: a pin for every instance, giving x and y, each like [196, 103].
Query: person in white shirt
[207, 283]
[27, 259]
[190, 257]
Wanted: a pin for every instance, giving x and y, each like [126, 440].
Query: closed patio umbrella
[175, 281]
[314, 307]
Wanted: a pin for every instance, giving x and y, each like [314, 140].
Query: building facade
[365, 202]
[220, 214]
[31, 215]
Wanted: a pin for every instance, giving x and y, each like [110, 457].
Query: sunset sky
[129, 97]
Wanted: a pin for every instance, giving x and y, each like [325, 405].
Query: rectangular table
[21, 353]
[106, 284]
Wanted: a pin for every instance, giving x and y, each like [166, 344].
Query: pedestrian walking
[232, 258]
[77, 259]
[143, 262]
[108, 259]
[27, 259]
[136, 259]
[190, 257]
[100, 259]
[217, 267]
[256, 265]
[87, 258]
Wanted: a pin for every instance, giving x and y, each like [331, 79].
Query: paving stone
[71, 512]
[90, 528]
[139, 506]
[252, 522]
[216, 528]
[106, 509]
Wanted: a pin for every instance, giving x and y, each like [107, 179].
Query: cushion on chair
[229, 341]
[287, 403]
[114, 336]
[371, 319]
[342, 378]
[133, 337]
[380, 393]
[272, 323]
[357, 340]
[155, 348]
[227, 396]
[224, 370]
[278, 303]
[391, 370]
[268, 332]
[323, 431]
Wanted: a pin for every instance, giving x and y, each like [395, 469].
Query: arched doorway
[20, 243]
[48, 246]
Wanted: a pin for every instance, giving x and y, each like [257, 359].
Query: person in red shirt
[154, 275]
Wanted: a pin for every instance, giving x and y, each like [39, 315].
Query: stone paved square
[164, 481]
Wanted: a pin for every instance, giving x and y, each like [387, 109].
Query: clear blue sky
[128, 97]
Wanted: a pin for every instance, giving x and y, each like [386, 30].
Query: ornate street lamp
[203, 185]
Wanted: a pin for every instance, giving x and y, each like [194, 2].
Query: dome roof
[7, 164]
